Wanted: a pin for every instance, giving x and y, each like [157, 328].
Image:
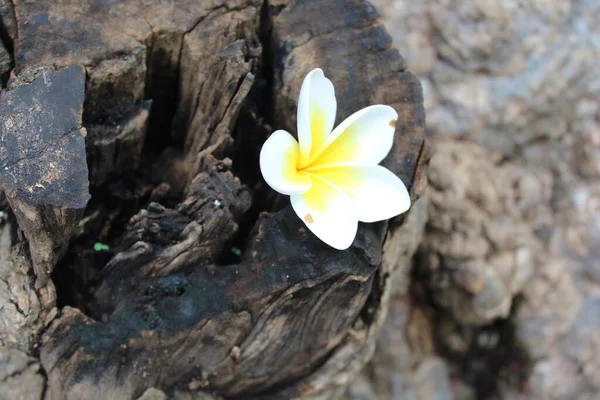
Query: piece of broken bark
[42, 160]
[173, 309]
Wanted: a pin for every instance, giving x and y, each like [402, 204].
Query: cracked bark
[176, 108]
[44, 171]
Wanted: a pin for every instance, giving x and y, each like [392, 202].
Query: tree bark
[208, 286]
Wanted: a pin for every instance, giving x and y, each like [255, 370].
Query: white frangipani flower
[333, 177]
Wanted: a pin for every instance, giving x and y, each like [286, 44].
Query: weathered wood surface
[291, 317]
[42, 158]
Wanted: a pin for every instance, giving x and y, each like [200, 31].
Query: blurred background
[503, 297]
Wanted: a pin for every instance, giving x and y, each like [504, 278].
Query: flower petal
[376, 193]
[278, 159]
[365, 137]
[316, 113]
[327, 212]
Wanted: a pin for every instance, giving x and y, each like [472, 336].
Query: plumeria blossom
[332, 175]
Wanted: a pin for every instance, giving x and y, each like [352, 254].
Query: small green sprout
[101, 247]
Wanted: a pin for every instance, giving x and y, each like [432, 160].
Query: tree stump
[204, 281]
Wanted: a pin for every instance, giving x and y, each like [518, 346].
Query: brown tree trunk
[208, 285]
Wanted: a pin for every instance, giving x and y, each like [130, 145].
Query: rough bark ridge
[176, 104]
